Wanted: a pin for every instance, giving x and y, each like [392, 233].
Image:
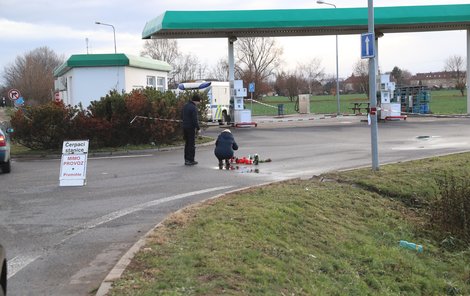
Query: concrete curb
[287, 119]
[437, 115]
[125, 260]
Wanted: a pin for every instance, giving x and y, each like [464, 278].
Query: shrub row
[105, 123]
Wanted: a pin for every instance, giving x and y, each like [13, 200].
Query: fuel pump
[241, 116]
[389, 107]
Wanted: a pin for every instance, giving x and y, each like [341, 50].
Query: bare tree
[33, 74]
[257, 60]
[202, 71]
[164, 50]
[220, 70]
[188, 68]
[313, 73]
[279, 85]
[361, 70]
[329, 84]
[161, 49]
[456, 64]
[295, 84]
[402, 77]
[290, 84]
[406, 77]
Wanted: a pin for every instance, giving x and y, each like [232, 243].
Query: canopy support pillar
[468, 71]
[231, 75]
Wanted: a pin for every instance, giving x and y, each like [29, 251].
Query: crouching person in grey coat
[224, 147]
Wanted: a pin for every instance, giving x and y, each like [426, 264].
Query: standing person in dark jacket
[190, 128]
[224, 147]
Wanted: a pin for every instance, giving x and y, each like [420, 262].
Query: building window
[161, 83]
[151, 81]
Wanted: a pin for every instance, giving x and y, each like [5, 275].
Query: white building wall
[137, 78]
[88, 84]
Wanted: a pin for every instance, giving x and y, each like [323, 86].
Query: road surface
[64, 240]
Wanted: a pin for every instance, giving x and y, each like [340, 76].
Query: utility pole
[373, 93]
[114, 33]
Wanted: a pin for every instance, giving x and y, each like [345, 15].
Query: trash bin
[280, 109]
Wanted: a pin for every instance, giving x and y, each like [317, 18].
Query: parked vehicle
[5, 164]
[219, 102]
[3, 272]
[218, 93]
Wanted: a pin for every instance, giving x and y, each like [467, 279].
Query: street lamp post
[114, 33]
[337, 63]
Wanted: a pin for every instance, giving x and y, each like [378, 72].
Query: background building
[443, 79]
[88, 77]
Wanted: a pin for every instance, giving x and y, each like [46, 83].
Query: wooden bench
[357, 107]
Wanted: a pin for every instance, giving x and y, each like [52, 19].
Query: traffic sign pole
[373, 93]
[251, 89]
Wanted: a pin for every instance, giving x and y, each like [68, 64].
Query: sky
[68, 27]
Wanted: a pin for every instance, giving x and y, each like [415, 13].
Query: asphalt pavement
[65, 241]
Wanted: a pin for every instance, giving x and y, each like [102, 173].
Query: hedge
[109, 122]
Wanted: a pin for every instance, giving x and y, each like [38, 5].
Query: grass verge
[333, 235]
[442, 102]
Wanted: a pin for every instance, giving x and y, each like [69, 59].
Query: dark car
[3, 272]
[5, 164]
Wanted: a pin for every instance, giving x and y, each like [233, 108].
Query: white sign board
[75, 147]
[73, 163]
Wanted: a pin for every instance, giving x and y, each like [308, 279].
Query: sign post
[251, 89]
[73, 163]
[369, 46]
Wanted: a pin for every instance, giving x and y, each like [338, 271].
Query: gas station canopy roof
[306, 22]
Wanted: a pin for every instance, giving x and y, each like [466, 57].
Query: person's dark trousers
[189, 135]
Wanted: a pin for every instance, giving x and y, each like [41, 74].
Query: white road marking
[19, 262]
[117, 214]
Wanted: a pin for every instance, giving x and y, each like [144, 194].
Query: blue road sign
[251, 87]
[367, 45]
[19, 102]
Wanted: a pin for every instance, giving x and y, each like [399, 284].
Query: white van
[218, 92]
[218, 109]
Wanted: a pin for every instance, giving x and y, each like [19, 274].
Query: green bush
[112, 111]
[41, 127]
[139, 117]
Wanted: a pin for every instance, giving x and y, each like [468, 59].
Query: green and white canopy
[305, 22]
